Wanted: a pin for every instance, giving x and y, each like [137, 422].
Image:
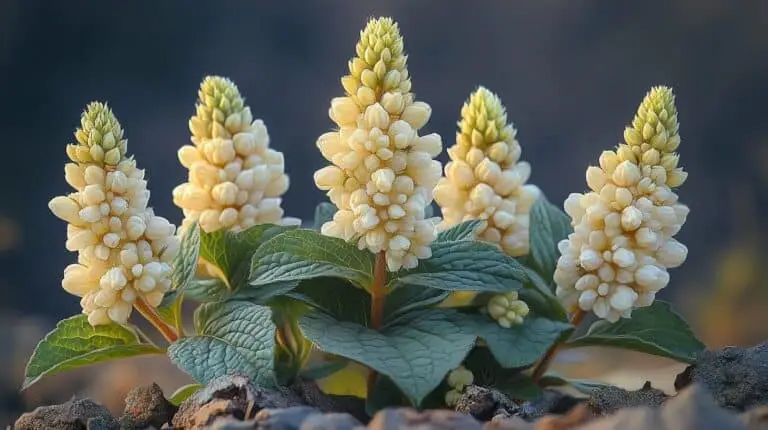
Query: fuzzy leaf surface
[656, 330]
[185, 263]
[466, 230]
[231, 251]
[464, 265]
[234, 336]
[415, 351]
[301, 254]
[548, 226]
[75, 343]
[520, 345]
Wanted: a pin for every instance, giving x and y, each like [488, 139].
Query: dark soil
[724, 390]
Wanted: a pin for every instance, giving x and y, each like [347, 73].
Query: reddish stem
[378, 294]
[576, 318]
[148, 312]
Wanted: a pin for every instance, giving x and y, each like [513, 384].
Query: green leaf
[185, 263]
[302, 254]
[184, 392]
[385, 394]
[548, 226]
[75, 343]
[323, 369]
[656, 330]
[464, 265]
[231, 251]
[520, 345]
[583, 386]
[466, 230]
[416, 351]
[335, 297]
[206, 290]
[232, 336]
[324, 212]
[407, 298]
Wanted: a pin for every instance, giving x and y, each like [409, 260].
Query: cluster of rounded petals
[622, 245]
[457, 380]
[382, 171]
[235, 179]
[507, 309]
[124, 250]
[485, 178]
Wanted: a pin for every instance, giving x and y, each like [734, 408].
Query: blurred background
[571, 74]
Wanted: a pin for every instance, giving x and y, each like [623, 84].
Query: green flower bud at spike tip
[654, 134]
[99, 138]
[484, 123]
[221, 110]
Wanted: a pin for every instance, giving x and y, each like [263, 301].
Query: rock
[311, 394]
[693, 409]
[755, 419]
[410, 419]
[552, 402]
[484, 403]
[146, 406]
[283, 419]
[609, 399]
[736, 377]
[331, 421]
[76, 414]
[230, 395]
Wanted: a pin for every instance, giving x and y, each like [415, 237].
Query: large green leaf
[406, 298]
[466, 230]
[335, 297]
[185, 263]
[520, 345]
[324, 212]
[416, 351]
[548, 226]
[231, 251]
[75, 343]
[234, 336]
[464, 265]
[301, 254]
[656, 330]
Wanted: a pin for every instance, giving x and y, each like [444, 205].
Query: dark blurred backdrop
[571, 74]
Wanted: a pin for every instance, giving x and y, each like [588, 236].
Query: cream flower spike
[485, 178]
[622, 245]
[124, 250]
[235, 179]
[383, 172]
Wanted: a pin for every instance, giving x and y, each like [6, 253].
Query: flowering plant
[423, 306]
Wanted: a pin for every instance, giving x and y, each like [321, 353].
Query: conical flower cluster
[507, 309]
[235, 179]
[622, 245]
[383, 172]
[485, 178]
[124, 250]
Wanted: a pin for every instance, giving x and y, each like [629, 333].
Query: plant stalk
[576, 318]
[168, 332]
[378, 294]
